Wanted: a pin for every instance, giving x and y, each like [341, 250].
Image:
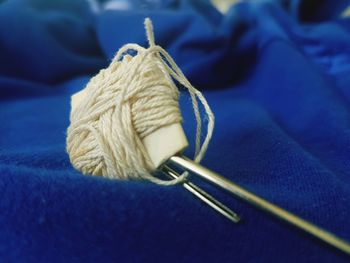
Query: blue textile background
[279, 88]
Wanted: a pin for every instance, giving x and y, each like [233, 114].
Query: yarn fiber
[130, 99]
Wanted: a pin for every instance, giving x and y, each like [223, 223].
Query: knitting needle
[204, 196]
[238, 191]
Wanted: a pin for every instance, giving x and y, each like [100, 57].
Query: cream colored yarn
[125, 102]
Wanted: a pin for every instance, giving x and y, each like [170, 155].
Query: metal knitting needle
[238, 191]
[204, 196]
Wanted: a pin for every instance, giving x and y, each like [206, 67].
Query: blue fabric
[279, 89]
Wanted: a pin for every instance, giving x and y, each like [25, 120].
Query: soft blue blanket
[277, 75]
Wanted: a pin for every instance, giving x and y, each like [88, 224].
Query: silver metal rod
[204, 196]
[222, 182]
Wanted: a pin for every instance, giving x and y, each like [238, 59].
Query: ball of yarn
[122, 104]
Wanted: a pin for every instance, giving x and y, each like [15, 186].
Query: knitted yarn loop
[122, 104]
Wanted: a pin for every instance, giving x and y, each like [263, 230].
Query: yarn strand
[195, 94]
[124, 103]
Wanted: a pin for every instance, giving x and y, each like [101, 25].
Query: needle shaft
[238, 191]
[204, 196]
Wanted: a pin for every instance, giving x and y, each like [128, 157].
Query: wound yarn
[131, 98]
